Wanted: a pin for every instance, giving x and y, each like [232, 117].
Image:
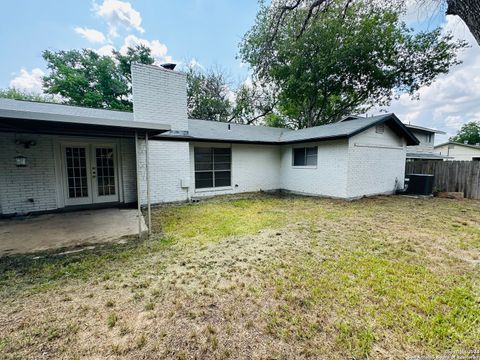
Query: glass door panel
[104, 174]
[77, 175]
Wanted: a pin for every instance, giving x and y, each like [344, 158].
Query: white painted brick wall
[36, 181]
[169, 164]
[377, 168]
[343, 170]
[254, 168]
[328, 178]
[160, 96]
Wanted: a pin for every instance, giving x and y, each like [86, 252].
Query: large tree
[85, 78]
[208, 95]
[467, 10]
[327, 64]
[211, 96]
[470, 133]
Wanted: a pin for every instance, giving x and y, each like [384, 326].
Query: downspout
[149, 207]
[139, 210]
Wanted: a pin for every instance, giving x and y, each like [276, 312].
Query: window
[212, 167]
[429, 138]
[305, 156]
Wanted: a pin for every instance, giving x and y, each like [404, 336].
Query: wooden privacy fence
[462, 176]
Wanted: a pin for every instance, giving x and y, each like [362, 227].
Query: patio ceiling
[92, 127]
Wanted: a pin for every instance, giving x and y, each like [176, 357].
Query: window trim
[213, 171]
[304, 166]
[211, 189]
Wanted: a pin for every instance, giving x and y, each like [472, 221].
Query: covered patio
[68, 230]
[56, 158]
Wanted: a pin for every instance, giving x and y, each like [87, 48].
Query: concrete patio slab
[42, 232]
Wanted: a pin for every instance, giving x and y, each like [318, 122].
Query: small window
[380, 128]
[305, 156]
[429, 138]
[212, 167]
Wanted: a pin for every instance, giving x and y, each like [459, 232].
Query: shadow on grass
[43, 270]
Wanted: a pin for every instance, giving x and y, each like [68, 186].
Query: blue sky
[209, 32]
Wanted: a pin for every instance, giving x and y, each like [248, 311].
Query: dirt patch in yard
[266, 277]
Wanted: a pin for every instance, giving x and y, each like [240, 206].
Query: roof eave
[255, 142]
[84, 127]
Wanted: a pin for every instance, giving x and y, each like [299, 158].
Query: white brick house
[56, 156]
[457, 151]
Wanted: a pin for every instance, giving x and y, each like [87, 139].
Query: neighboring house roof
[55, 118]
[202, 130]
[476, 147]
[426, 156]
[421, 128]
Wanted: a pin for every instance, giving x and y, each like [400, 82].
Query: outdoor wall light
[20, 161]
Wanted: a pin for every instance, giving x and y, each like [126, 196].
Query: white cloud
[194, 63]
[106, 50]
[92, 35]
[453, 99]
[159, 50]
[119, 14]
[30, 82]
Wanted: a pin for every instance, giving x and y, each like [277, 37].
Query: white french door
[90, 173]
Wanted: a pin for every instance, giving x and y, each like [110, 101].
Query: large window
[212, 167]
[306, 156]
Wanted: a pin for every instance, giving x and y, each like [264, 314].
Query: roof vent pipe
[169, 66]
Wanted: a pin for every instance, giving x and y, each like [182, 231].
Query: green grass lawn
[258, 277]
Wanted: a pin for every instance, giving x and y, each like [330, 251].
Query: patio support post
[149, 207]
[139, 214]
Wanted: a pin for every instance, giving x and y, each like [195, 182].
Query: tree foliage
[85, 78]
[12, 93]
[467, 10]
[328, 64]
[469, 132]
[207, 95]
[210, 96]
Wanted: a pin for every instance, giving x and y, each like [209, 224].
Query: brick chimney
[159, 95]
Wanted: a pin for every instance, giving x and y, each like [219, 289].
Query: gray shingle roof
[203, 130]
[477, 147]
[335, 130]
[422, 128]
[426, 156]
[72, 115]
[31, 107]
[198, 129]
